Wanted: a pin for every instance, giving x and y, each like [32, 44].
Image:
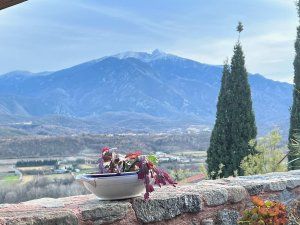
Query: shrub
[269, 154]
[265, 213]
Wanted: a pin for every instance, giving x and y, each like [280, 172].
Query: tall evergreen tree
[216, 154]
[235, 122]
[295, 111]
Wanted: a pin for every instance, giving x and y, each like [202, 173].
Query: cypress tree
[235, 122]
[295, 111]
[218, 139]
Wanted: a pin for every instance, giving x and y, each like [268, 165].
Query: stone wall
[208, 202]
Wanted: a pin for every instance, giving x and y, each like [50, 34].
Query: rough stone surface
[207, 202]
[207, 222]
[166, 207]
[227, 217]
[47, 202]
[236, 193]
[40, 218]
[286, 196]
[277, 185]
[254, 189]
[104, 212]
[214, 197]
[293, 183]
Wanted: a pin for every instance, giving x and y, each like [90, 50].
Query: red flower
[105, 149]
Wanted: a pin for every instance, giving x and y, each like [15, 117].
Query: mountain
[134, 90]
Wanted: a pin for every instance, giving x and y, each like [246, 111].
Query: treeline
[30, 163]
[73, 145]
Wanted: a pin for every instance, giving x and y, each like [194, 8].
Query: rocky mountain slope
[133, 90]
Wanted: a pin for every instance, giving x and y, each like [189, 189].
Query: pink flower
[105, 149]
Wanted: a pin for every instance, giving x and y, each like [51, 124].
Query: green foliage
[240, 27]
[217, 174]
[295, 151]
[203, 170]
[235, 121]
[218, 139]
[153, 159]
[295, 111]
[269, 154]
[180, 174]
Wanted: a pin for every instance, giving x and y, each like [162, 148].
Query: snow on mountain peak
[144, 56]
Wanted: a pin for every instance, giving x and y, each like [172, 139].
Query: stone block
[40, 217]
[214, 197]
[228, 217]
[166, 206]
[236, 193]
[102, 212]
[276, 185]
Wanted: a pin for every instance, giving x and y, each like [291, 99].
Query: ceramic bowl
[113, 186]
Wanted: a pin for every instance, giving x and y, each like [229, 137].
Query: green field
[8, 178]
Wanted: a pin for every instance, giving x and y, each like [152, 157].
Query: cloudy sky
[47, 35]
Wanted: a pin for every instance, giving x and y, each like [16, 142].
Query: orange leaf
[257, 201]
[133, 155]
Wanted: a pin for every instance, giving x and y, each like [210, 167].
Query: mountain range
[132, 91]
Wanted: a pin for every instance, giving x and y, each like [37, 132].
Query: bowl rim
[99, 175]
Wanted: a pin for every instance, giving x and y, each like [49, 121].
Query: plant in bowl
[122, 177]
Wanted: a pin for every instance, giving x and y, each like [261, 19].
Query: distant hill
[131, 91]
[31, 147]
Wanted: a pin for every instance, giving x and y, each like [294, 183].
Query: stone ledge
[207, 202]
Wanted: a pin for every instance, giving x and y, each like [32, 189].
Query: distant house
[160, 154]
[193, 179]
[60, 171]
[164, 159]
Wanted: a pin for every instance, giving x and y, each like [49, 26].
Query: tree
[216, 153]
[294, 146]
[235, 121]
[239, 29]
[269, 153]
[295, 111]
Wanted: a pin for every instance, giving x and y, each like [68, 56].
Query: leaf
[257, 201]
[269, 204]
[153, 159]
[133, 155]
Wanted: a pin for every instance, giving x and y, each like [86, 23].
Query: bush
[265, 213]
[268, 156]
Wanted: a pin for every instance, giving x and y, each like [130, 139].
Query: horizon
[150, 52]
[58, 35]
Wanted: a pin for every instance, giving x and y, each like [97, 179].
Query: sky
[48, 35]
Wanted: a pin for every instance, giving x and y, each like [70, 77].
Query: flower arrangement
[145, 166]
[265, 213]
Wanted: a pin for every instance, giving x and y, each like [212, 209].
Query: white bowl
[113, 186]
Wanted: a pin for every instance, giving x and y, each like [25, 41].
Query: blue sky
[47, 35]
